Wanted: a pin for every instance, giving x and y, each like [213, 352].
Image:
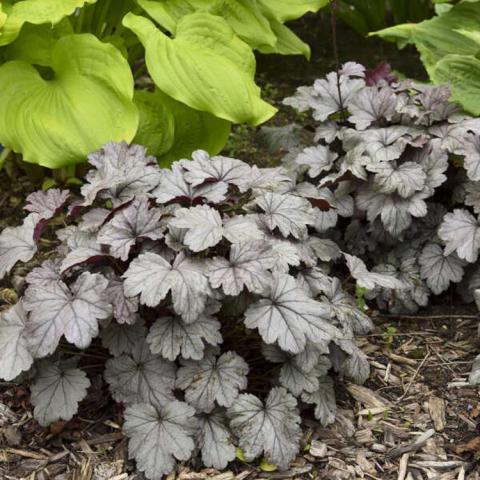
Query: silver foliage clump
[400, 164]
[198, 279]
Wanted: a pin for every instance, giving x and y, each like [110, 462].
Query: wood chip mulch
[417, 418]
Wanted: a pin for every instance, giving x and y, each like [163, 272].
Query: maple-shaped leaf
[82, 255]
[371, 105]
[242, 228]
[471, 150]
[367, 279]
[380, 144]
[288, 316]
[246, 267]
[215, 440]
[395, 212]
[439, 270]
[434, 162]
[327, 96]
[173, 186]
[151, 276]
[285, 254]
[121, 339]
[124, 308]
[47, 272]
[140, 377]
[289, 213]
[93, 219]
[57, 390]
[343, 307]
[313, 280]
[17, 244]
[212, 380]
[349, 360]
[203, 168]
[128, 225]
[171, 337]
[406, 178]
[15, 356]
[272, 428]
[324, 400]
[203, 224]
[122, 172]
[298, 378]
[460, 231]
[56, 310]
[158, 436]
[267, 179]
[48, 203]
[318, 159]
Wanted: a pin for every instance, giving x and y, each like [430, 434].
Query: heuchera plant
[209, 285]
[75, 74]
[401, 165]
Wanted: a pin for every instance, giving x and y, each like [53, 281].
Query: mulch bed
[416, 418]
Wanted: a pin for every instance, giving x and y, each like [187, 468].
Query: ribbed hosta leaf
[59, 122]
[204, 66]
[36, 12]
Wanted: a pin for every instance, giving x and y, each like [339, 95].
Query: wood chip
[402, 468]
[413, 447]
[318, 449]
[366, 396]
[436, 409]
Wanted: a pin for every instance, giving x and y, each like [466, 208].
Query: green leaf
[287, 42]
[462, 73]
[442, 35]
[36, 12]
[267, 467]
[206, 66]
[85, 102]
[35, 43]
[172, 130]
[286, 10]
[168, 12]
[245, 17]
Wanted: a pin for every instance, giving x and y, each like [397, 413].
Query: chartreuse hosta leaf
[58, 121]
[286, 10]
[172, 130]
[33, 11]
[205, 66]
[245, 17]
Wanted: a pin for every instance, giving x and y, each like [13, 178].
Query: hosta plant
[68, 71]
[208, 283]
[448, 44]
[400, 164]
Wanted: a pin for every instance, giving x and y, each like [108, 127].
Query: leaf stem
[3, 156]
